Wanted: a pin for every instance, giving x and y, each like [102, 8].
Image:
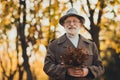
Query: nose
[72, 23]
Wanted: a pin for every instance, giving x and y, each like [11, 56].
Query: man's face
[72, 25]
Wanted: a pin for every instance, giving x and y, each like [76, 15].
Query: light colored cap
[71, 12]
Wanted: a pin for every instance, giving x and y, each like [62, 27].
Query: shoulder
[89, 41]
[55, 41]
[59, 40]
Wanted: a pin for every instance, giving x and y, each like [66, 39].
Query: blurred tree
[21, 27]
[95, 12]
[112, 67]
[10, 72]
[8, 15]
[110, 49]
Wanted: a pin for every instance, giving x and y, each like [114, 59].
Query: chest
[61, 49]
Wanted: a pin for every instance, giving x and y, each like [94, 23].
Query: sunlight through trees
[27, 26]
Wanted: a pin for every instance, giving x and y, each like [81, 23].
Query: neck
[72, 35]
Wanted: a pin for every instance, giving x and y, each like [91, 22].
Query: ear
[81, 25]
[63, 24]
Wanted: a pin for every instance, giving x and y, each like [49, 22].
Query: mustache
[72, 27]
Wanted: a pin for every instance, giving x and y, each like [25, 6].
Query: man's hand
[77, 72]
[85, 72]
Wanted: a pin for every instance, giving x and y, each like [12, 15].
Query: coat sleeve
[51, 68]
[96, 69]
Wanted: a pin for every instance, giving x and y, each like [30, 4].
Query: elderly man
[54, 67]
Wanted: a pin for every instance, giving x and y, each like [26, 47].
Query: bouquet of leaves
[74, 57]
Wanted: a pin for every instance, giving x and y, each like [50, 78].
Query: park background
[27, 26]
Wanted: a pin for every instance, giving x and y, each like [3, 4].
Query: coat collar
[64, 38]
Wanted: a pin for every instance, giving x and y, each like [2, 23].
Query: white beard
[72, 31]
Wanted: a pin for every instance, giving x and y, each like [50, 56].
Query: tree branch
[83, 8]
[71, 3]
[100, 11]
[4, 72]
[88, 3]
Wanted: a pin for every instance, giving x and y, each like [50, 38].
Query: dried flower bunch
[74, 57]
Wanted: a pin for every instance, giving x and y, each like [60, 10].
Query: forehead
[72, 17]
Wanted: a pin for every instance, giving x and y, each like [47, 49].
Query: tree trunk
[94, 31]
[24, 43]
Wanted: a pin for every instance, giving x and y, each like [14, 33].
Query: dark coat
[53, 66]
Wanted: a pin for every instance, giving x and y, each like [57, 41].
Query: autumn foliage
[74, 57]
